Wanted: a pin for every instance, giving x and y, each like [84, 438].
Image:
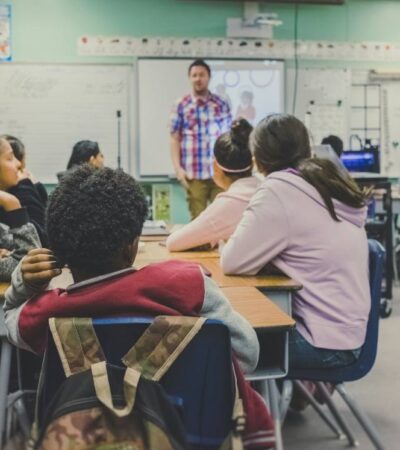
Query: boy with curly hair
[94, 221]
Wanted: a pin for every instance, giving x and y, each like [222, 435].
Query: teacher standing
[197, 120]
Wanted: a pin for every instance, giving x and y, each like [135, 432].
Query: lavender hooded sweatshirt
[287, 223]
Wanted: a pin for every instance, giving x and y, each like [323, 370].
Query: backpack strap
[158, 348]
[76, 343]
[234, 439]
[103, 391]
[161, 344]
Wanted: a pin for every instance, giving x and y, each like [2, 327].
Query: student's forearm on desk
[198, 232]
[215, 223]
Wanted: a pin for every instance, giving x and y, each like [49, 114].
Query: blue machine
[361, 160]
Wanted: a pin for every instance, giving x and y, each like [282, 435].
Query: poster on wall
[5, 33]
[162, 202]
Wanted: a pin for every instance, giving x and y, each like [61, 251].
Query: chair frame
[355, 371]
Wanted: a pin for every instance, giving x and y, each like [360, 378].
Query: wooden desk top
[3, 288]
[152, 238]
[272, 282]
[256, 308]
[154, 252]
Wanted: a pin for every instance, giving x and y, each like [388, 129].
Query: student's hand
[182, 177]
[39, 266]
[8, 201]
[4, 253]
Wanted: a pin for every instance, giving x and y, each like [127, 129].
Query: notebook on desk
[155, 228]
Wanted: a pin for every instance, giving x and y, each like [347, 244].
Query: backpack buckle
[239, 424]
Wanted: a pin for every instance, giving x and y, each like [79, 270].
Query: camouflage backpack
[105, 407]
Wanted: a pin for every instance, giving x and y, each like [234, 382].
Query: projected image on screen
[253, 89]
[251, 93]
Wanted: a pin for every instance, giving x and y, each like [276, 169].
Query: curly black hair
[92, 215]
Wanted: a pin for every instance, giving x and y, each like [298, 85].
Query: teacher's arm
[176, 159]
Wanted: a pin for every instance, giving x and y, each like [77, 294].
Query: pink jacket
[287, 223]
[219, 220]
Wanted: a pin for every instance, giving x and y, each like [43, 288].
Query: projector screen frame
[142, 175]
[292, 2]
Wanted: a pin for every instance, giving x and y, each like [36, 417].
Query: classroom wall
[46, 31]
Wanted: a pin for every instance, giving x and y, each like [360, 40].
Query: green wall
[47, 30]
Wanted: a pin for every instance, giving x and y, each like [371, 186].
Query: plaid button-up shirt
[199, 123]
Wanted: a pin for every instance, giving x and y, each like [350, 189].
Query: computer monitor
[361, 160]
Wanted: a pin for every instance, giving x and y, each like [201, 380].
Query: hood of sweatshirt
[356, 216]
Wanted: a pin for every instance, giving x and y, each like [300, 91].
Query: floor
[378, 393]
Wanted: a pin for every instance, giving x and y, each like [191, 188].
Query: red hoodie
[167, 288]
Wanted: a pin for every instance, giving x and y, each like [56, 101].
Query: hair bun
[240, 132]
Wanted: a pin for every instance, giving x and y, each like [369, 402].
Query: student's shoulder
[177, 276]
[270, 190]
[173, 267]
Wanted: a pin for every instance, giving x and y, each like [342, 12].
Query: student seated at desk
[335, 142]
[308, 220]
[84, 152]
[233, 173]
[17, 234]
[19, 151]
[94, 221]
[32, 195]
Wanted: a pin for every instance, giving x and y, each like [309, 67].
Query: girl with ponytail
[233, 173]
[307, 219]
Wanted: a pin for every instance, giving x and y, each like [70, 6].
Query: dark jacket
[32, 197]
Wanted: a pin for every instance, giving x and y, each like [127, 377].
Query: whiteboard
[51, 107]
[161, 82]
[323, 101]
[390, 152]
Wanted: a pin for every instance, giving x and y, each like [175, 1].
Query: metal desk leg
[5, 365]
[276, 414]
[268, 391]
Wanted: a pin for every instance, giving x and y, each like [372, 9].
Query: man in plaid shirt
[197, 120]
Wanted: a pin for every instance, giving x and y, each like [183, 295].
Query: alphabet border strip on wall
[236, 48]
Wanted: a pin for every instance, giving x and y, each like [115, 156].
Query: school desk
[257, 309]
[276, 288]
[279, 288]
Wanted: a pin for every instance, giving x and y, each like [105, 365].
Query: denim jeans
[303, 355]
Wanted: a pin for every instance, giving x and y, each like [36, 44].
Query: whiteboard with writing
[322, 100]
[51, 107]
